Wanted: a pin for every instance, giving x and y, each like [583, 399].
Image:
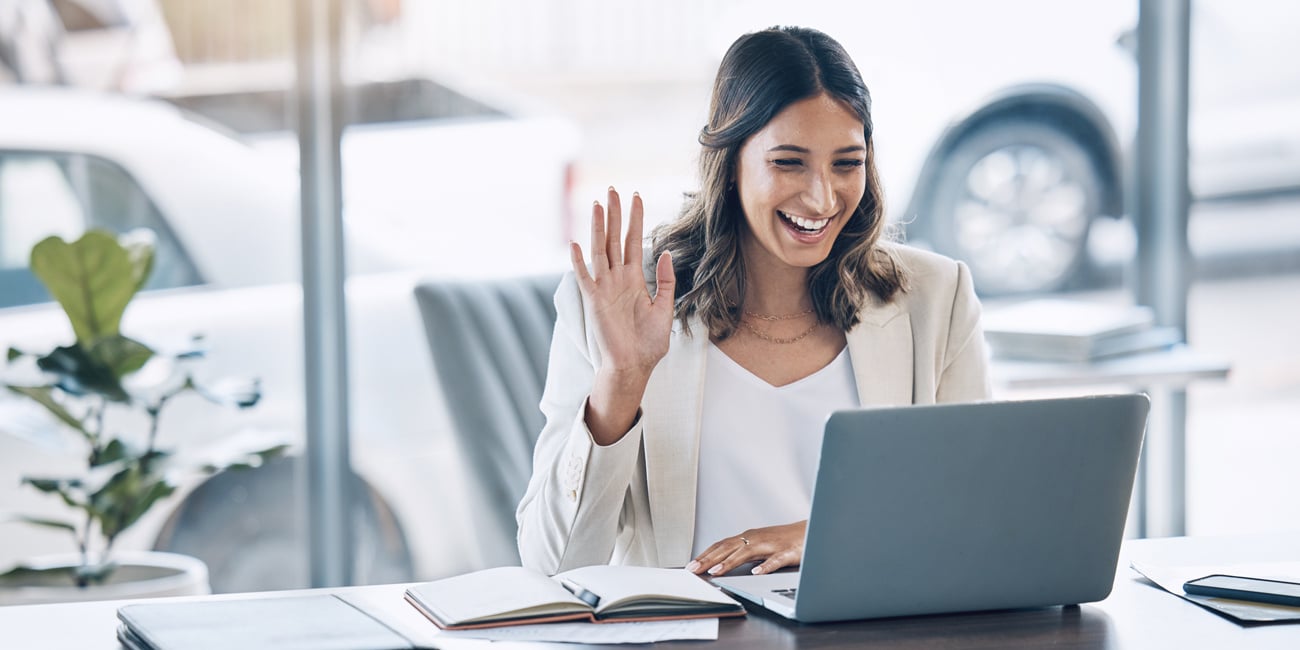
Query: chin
[807, 259]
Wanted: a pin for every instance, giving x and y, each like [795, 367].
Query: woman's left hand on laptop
[774, 546]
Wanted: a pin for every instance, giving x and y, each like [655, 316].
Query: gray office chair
[247, 526]
[490, 342]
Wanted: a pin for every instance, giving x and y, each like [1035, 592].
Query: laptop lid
[963, 507]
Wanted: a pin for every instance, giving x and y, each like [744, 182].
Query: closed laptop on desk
[963, 507]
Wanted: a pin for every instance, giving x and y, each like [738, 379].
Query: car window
[43, 194]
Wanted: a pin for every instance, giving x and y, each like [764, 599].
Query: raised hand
[776, 546]
[631, 327]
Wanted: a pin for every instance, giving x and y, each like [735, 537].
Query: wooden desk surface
[1136, 615]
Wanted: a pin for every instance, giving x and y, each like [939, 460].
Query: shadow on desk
[1072, 626]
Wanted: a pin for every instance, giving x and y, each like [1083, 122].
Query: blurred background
[480, 131]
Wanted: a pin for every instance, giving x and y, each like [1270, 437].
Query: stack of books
[1073, 331]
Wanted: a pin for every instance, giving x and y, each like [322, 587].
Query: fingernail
[757, 570]
[611, 188]
[717, 568]
[636, 194]
[693, 567]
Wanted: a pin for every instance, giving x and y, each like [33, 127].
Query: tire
[1014, 200]
[248, 527]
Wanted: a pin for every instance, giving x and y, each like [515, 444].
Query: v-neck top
[760, 445]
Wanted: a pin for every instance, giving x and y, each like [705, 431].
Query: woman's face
[799, 179]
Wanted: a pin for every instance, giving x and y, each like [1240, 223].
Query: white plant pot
[140, 574]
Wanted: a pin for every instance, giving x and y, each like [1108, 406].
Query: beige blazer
[633, 502]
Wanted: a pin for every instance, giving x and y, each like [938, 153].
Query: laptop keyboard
[788, 593]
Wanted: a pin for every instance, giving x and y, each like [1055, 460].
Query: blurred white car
[469, 197]
[1002, 126]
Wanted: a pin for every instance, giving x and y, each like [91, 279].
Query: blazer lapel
[673, 404]
[880, 350]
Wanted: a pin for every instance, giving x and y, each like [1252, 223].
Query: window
[44, 194]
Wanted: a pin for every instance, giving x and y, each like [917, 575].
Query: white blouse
[760, 445]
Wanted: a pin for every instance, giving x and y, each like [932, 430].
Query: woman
[685, 402]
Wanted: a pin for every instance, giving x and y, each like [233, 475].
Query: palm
[631, 326]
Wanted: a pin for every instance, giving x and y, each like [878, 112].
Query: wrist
[614, 403]
[623, 379]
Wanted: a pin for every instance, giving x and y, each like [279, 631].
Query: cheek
[853, 191]
[758, 192]
[856, 184]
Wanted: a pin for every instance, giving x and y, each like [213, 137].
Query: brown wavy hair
[761, 74]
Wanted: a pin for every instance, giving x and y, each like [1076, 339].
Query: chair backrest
[248, 526]
[490, 341]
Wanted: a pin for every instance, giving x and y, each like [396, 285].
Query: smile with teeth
[805, 225]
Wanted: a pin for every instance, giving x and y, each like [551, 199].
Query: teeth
[807, 224]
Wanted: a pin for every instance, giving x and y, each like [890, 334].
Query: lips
[804, 230]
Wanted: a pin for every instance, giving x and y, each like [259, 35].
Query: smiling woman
[686, 392]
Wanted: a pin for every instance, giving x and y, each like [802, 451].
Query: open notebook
[516, 596]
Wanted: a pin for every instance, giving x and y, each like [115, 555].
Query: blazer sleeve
[570, 513]
[965, 373]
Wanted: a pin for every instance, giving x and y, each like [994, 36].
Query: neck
[776, 291]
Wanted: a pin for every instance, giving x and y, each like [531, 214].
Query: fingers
[665, 280]
[788, 557]
[614, 229]
[777, 546]
[725, 555]
[599, 258]
[607, 251]
[580, 267]
[632, 253]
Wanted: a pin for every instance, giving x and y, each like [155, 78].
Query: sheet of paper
[699, 629]
[1171, 579]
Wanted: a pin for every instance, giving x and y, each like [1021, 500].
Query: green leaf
[121, 355]
[239, 392]
[45, 484]
[79, 373]
[44, 395]
[61, 486]
[114, 451]
[15, 353]
[48, 523]
[93, 278]
[126, 497]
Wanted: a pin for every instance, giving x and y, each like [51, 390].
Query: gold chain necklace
[776, 339]
[778, 318]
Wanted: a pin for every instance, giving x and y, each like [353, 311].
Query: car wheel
[247, 526]
[1014, 200]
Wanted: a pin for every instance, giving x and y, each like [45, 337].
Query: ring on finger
[742, 538]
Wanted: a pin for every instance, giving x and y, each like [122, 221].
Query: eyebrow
[798, 149]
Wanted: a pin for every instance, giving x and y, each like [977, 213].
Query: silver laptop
[962, 507]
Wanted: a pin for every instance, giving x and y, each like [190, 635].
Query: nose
[819, 195]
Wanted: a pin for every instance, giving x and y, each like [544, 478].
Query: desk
[1136, 615]
[1160, 501]
[1173, 368]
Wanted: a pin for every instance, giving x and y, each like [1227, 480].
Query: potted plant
[96, 385]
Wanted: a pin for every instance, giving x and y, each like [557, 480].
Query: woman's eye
[849, 164]
[787, 162]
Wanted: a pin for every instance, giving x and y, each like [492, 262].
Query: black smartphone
[1276, 592]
